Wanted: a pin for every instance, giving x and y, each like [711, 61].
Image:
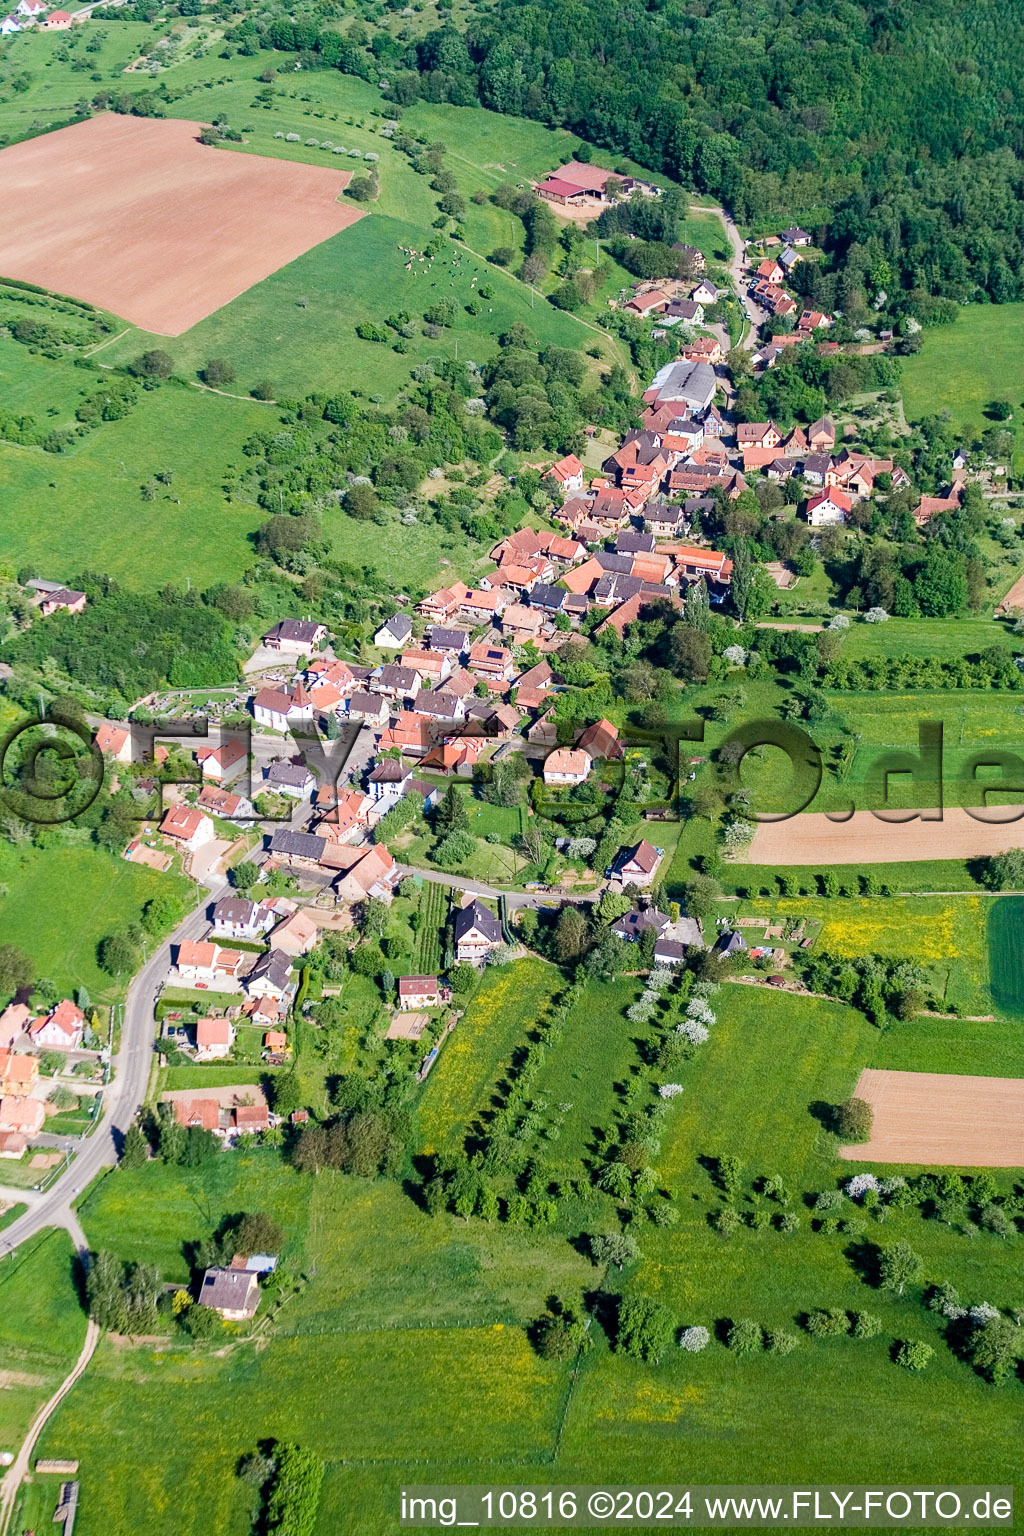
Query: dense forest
[895, 130]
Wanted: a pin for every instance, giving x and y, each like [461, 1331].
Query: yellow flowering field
[507, 1002]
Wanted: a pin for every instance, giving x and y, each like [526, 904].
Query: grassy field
[39, 386]
[505, 1004]
[150, 1214]
[1005, 933]
[581, 1076]
[60, 902]
[430, 1311]
[962, 367]
[41, 1329]
[940, 639]
[945, 934]
[84, 510]
[408, 557]
[297, 328]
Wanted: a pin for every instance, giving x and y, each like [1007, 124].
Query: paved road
[122, 1099]
[755, 316]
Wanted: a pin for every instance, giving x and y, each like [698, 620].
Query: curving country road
[19, 1467]
[754, 315]
[122, 1099]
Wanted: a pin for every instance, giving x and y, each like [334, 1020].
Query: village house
[929, 506]
[665, 520]
[368, 708]
[18, 1075]
[296, 849]
[235, 917]
[631, 926]
[522, 624]
[234, 1293]
[375, 874]
[828, 507]
[601, 740]
[14, 1020]
[418, 992]
[693, 563]
[432, 666]
[224, 762]
[637, 865]
[197, 1114]
[454, 642]
[631, 542]
[534, 687]
[9, 25]
[492, 662]
[61, 599]
[757, 434]
[813, 320]
[409, 734]
[706, 292]
[795, 236]
[483, 605]
[114, 741]
[543, 732]
[295, 637]
[388, 780]
[394, 632]
[24, 1116]
[545, 601]
[687, 311]
[439, 705]
[297, 935]
[197, 960]
[770, 271]
[477, 931]
[188, 826]
[444, 604]
[291, 779]
[706, 349]
[214, 1039]
[821, 435]
[223, 803]
[566, 766]
[454, 755]
[61, 1030]
[271, 976]
[567, 473]
[650, 303]
[691, 254]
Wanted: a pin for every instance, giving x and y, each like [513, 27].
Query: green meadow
[57, 904]
[84, 510]
[403, 1356]
[1005, 935]
[42, 1328]
[963, 367]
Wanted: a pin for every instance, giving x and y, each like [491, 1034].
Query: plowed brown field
[136, 216]
[813, 839]
[935, 1117]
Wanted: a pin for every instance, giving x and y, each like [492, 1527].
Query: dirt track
[813, 839]
[934, 1117]
[135, 215]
